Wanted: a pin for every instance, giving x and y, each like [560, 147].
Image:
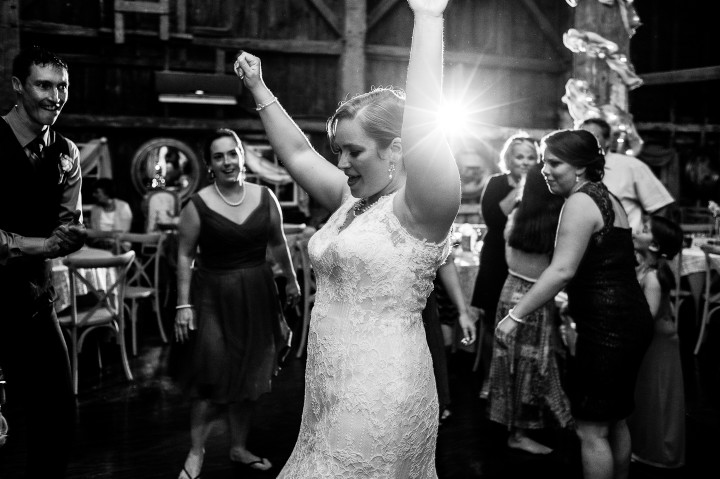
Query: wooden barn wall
[502, 59]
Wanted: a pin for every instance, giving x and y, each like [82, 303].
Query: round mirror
[166, 163]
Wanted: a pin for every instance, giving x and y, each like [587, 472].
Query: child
[657, 427]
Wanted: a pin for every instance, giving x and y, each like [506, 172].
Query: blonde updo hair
[379, 112]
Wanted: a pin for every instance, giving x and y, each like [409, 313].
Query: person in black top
[594, 261]
[40, 218]
[499, 197]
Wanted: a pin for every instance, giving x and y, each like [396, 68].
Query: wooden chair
[100, 309]
[712, 299]
[308, 292]
[679, 294]
[161, 207]
[144, 278]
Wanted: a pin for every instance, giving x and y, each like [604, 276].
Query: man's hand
[66, 239]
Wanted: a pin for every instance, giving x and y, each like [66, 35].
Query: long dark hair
[536, 218]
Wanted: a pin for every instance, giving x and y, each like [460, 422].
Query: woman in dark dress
[500, 196]
[594, 261]
[229, 299]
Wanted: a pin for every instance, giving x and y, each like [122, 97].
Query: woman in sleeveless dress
[657, 427]
[594, 261]
[229, 300]
[370, 405]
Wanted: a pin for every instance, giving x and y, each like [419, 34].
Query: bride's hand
[433, 8]
[247, 67]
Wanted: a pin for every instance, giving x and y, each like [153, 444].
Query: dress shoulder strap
[601, 196]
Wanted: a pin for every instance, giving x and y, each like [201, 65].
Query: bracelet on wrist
[515, 318]
[184, 306]
[262, 106]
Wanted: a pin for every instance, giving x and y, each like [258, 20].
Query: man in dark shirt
[40, 218]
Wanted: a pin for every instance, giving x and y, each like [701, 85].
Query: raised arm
[432, 191]
[320, 178]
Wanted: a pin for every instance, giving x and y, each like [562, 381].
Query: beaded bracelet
[262, 106]
[515, 318]
[183, 306]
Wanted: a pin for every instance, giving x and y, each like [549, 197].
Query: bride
[370, 401]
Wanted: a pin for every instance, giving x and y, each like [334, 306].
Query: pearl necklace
[226, 201]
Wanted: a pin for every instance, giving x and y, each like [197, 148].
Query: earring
[211, 174]
[391, 170]
[577, 178]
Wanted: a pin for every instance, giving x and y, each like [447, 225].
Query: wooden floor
[140, 429]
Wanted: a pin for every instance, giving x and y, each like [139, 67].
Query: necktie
[35, 149]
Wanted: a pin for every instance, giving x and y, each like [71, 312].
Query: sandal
[258, 465]
[185, 471]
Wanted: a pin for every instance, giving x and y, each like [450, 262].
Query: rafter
[379, 12]
[546, 26]
[328, 15]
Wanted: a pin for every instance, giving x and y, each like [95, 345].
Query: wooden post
[352, 60]
[593, 16]
[9, 48]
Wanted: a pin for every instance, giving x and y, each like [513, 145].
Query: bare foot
[529, 445]
[193, 465]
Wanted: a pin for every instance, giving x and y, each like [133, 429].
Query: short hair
[105, 184]
[579, 148]
[220, 133]
[34, 55]
[379, 112]
[668, 236]
[604, 126]
[507, 148]
[536, 217]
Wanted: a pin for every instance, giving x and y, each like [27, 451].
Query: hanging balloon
[580, 101]
[630, 18]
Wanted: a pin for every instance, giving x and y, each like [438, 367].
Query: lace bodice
[374, 269]
[370, 400]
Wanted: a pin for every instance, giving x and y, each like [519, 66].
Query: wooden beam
[96, 122]
[675, 127]
[682, 76]
[352, 61]
[379, 12]
[308, 47]
[328, 15]
[553, 36]
[10, 41]
[51, 28]
[159, 8]
[478, 59]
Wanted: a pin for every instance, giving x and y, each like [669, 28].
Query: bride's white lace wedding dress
[371, 406]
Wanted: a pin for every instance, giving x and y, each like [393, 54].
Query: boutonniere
[714, 208]
[65, 164]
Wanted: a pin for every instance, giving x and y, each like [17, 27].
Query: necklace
[225, 200]
[578, 186]
[362, 205]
